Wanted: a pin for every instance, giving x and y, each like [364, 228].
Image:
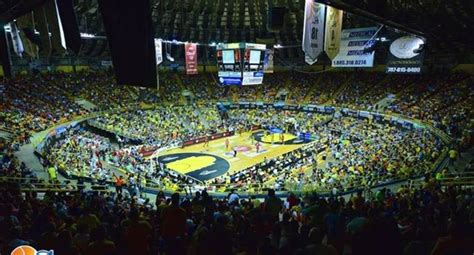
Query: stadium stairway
[181, 88]
[87, 105]
[5, 134]
[386, 101]
[26, 155]
[311, 91]
[339, 90]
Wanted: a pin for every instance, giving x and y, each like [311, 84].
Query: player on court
[257, 147]
[227, 144]
[206, 143]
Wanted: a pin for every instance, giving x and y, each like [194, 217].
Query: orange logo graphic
[24, 250]
[28, 250]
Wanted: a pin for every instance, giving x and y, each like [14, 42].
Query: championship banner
[16, 39]
[332, 36]
[353, 43]
[313, 30]
[159, 51]
[405, 55]
[190, 50]
[268, 61]
[26, 22]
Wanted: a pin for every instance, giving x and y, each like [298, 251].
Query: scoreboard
[240, 63]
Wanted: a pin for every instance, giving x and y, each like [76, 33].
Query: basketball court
[207, 162]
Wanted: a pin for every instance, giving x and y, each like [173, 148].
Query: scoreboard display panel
[237, 70]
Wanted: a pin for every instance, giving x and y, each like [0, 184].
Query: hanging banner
[25, 22]
[405, 56]
[313, 30]
[41, 25]
[353, 43]
[159, 51]
[190, 50]
[16, 39]
[332, 36]
[268, 61]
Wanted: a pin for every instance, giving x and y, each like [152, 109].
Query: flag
[268, 61]
[313, 30]
[332, 36]
[158, 51]
[190, 50]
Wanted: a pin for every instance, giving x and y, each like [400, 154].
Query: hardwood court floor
[246, 155]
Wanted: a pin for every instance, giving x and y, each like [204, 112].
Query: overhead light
[277, 46]
[86, 35]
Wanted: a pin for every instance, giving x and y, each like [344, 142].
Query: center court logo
[28, 250]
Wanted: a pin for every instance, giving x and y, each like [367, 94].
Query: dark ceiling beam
[340, 4]
[19, 8]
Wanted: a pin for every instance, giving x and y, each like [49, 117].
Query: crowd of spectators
[420, 218]
[425, 219]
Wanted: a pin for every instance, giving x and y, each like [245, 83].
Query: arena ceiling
[446, 24]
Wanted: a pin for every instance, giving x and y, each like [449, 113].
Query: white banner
[158, 51]
[353, 42]
[16, 39]
[313, 30]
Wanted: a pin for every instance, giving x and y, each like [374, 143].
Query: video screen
[255, 56]
[228, 57]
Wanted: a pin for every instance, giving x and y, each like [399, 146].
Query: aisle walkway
[27, 156]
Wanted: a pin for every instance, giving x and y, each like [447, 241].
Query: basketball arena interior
[236, 127]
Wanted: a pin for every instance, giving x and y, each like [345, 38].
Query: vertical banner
[353, 43]
[190, 50]
[332, 36]
[313, 30]
[159, 51]
[16, 39]
[268, 61]
[405, 55]
[25, 23]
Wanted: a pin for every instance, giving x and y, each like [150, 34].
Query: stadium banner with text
[268, 61]
[313, 30]
[190, 50]
[159, 51]
[404, 55]
[332, 35]
[353, 43]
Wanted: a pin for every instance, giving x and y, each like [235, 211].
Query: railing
[29, 184]
[457, 179]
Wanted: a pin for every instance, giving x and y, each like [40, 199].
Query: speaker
[130, 37]
[276, 18]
